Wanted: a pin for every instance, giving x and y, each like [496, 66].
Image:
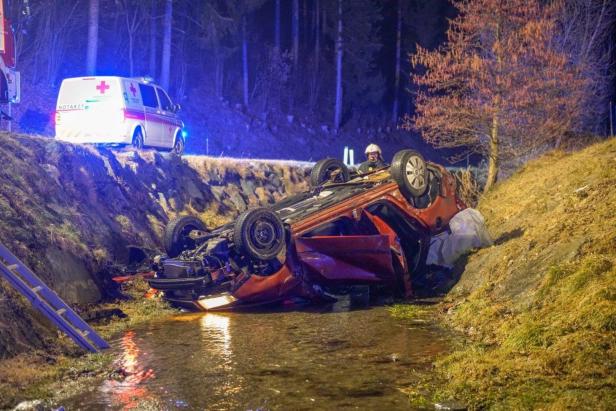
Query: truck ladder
[48, 302]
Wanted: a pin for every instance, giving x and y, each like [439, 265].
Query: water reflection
[131, 390]
[274, 360]
[217, 335]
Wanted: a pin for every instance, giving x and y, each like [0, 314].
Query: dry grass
[41, 375]
[90, 204]
[467, 187]
[539, 307]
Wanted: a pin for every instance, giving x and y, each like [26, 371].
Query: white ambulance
[117, 110]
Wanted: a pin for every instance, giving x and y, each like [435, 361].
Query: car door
[167, 118]
[341, 251]
[151, 107]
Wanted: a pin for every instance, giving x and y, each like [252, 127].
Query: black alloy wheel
[259, 233]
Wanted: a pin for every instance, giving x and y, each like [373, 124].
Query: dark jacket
[368, 166]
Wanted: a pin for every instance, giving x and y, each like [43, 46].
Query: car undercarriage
[370, 230]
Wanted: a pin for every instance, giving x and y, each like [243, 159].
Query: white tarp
[467, 230]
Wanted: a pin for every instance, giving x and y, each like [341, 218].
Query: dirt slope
[70, 211]
[539, 307]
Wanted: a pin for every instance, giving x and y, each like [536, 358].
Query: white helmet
[372, 148]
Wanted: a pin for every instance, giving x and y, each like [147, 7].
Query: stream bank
[70, 212]
[538, 309]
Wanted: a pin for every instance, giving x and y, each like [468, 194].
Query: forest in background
[274, 57]
[309, 68]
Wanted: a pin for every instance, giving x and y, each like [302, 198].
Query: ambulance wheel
[138, 139]
[178, 146]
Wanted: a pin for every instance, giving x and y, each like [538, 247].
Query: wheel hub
[415, 172]
[264, 234]
[335, 175]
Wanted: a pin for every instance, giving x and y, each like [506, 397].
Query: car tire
[409, 170]
[259, 233]
[138, 141]
[323, 169]
[176, 237]
[178, 146]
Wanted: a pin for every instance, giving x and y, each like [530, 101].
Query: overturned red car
[349, 229]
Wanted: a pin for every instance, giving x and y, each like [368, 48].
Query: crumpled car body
[365, 231]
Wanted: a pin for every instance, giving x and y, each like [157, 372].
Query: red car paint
[346, 242]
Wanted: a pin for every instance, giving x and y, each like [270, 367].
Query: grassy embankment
[64, 370]
[539, 307]
[71, 209]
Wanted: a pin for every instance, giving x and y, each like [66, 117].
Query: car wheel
[138, 139]
[178, 146]
[408, 169]
[259, 233]
[177, 235]
[329, 169]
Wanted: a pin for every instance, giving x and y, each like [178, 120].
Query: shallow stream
[326, 359]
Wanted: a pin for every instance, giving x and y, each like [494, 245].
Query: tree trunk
[317, 40]
[339, 45]
[219, 74]
[92, 38]
[166, 58]
[305, 35]
[494, 160]
[397, 74]
[295, 31]
[245, 61]
[130, 54]
[277, 26]
[315, 81]
[493, 163]
[153, 28]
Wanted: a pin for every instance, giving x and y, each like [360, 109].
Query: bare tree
[397, 65]
[315, 78]
[586, 30]
[295, 31]
[153, 31]
[134, 13]
[339, 52]
[166, 57]
[245, 61]
[92, 38]
[277, 26]
[55, 26]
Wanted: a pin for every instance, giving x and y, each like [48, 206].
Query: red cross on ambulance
[102, 87]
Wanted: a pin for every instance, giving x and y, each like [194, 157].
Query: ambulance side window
[165, 102]
[148, 95]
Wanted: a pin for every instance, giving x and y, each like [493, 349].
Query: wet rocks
[450, 406]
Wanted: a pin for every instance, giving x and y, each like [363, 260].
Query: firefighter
[374, 159]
